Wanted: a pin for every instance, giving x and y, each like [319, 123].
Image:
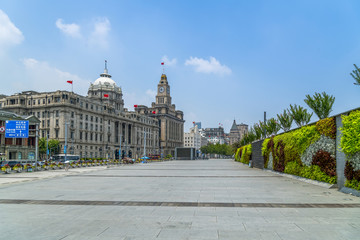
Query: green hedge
[243, 154]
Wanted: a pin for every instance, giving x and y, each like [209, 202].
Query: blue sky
[224, 60]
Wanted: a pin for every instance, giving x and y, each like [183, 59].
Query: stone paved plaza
[205, 199]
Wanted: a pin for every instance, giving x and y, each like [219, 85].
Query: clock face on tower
[161, 89]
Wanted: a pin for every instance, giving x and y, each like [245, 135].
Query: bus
[69, 157]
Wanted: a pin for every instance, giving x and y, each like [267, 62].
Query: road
[204, 199]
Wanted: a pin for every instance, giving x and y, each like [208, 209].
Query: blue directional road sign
[16, 129]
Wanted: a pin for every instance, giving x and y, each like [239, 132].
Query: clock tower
[171, 121]
[163, 91]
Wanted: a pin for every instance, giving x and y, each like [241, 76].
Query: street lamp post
[65, 147]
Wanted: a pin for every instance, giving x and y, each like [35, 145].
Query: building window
[56, 133]
[38, 101]
[86, 136]
[81, 116]
[48, 123]
[91, 118]
[86, 117]
[80, 135]
[81, 125]
[57, 113]
[44, 101]
[72, 135]
[57, 122]
[72, 114]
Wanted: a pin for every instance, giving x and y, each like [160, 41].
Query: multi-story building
[17, 148]
[237, 132]
[214, 135]
[171, 121]
[97, 125]
[193, 138]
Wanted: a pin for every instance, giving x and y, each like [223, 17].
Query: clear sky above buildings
[224, 60]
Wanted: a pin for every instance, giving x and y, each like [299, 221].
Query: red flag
[69, 81]
[153, 112]
[135, 106]
[106, 95]
[162, 63]
[193, 122]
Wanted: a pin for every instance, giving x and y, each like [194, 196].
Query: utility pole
[120, 147]
[144, 144]
[264, 125]
[47, 147]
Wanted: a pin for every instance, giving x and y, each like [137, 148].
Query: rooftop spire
[106, 73]
[105, 70]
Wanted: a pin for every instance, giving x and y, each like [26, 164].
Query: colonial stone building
[171, 121]
[237, 132]
[98, 125]
[17, 148]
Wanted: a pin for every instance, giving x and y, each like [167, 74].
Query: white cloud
[9, 33]
[205, 66]
[151, 94]
[43, 77]
[72, 30]
[132, 98]
[169, 62]
[99, 36]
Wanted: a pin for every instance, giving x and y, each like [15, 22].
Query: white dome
[104, 80]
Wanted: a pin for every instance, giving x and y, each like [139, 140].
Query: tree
[356, 75]
[53, 145]
[285, 120]
[272, 126]
[321, 104]
[300, 115]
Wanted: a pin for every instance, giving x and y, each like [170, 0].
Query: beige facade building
[237, 132]
[98, 125]
[17, 148]
[171, 121]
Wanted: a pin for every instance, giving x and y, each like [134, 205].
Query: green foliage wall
[243, 154]
[350, 144]
[287, 148]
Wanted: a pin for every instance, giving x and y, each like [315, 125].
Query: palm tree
[300, 115]
[285, 120]
[321, 104]
[356, 75]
